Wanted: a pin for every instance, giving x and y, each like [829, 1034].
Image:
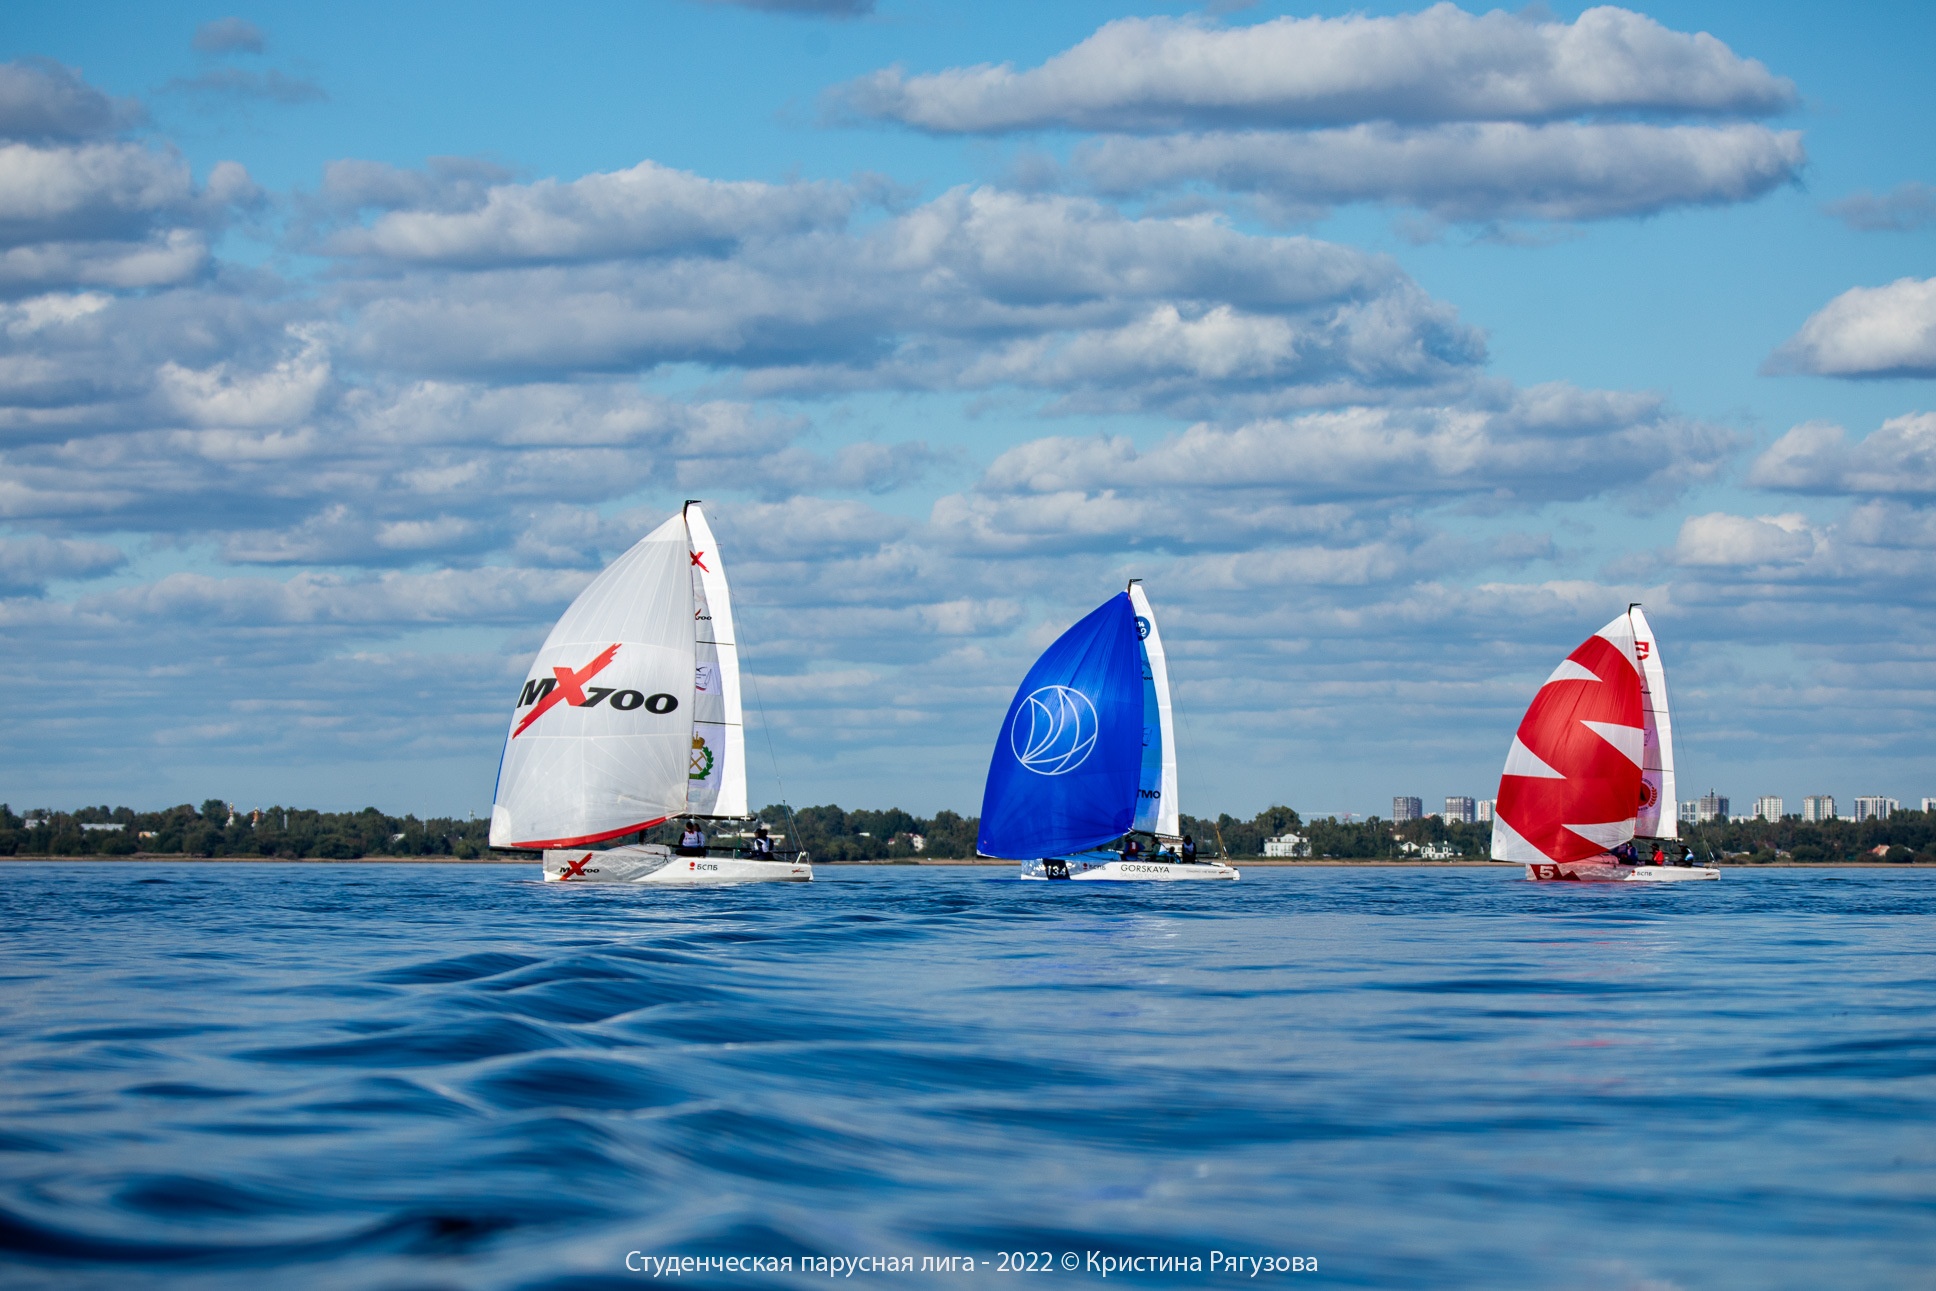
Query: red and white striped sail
[1571, 789]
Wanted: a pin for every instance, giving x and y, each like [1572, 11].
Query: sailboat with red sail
[1588, 788]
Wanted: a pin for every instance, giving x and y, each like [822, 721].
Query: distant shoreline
[1250, 862]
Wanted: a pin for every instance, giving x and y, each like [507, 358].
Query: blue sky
[1397, 353]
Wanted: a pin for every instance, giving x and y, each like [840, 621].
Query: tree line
[832, 833]
[216, 830]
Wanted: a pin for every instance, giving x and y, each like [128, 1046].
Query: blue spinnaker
[1066, 765]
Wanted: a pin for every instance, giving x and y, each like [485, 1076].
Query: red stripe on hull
[586, 840]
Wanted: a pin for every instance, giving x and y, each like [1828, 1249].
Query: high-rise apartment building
[1485, 811]
[1818, 807]
[1929, 804]
[1461, 810]
[1769, 807]
[1875, 807]
[1710, 806]
[1408, 808]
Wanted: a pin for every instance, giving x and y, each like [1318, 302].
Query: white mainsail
[1156, 797]
[717, 772]
[1659, 810]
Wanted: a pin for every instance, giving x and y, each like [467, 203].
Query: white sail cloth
[611, 720]
[1659, 808]
[1156, 795]
[716, 773]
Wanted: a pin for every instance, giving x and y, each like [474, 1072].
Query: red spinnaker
[1572, 782]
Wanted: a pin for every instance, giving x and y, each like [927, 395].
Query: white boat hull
[1593, 872]
[655, 865]
[1106, 867]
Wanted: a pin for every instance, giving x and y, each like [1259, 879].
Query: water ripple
[229, 1076]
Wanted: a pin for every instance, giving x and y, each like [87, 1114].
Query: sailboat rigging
[1087, 755]
[1588, 788]
[630, 716]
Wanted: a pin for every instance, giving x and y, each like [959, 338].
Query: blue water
[233, 1075]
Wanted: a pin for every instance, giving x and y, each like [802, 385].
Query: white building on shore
[1818, 807]
[1770, 807]
[1875, 807]
[1287, 846]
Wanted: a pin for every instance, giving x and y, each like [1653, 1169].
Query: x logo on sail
[575, 869]
[570, 687]
[699, 559]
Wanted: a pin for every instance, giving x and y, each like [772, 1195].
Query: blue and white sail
[1068, 763]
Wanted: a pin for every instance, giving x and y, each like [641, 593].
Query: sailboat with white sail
[630, 716]
[1087, 755]
[1588, 788]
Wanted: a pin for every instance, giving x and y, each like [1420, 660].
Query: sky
[1395, 348]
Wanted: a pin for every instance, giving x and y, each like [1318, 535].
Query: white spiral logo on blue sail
[1054, 730]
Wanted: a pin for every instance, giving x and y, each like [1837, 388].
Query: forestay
[1068, 760]
[1156, 796]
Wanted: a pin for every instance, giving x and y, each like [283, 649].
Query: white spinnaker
[717, 771]
[602, 731]
[1156, 799]
[1659, 818]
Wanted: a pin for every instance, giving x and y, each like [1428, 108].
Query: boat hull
[1107, 867]
[1594, 872]
[655, 866]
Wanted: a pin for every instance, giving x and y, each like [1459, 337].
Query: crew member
[693, 841]
[762, 845]
[1660, 857]
[1132, 849]
[1189, 850]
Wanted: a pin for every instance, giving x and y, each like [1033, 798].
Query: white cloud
[28, 563]
[1547, 442]
[1731, 540]
[1867, 332]
[229, 36]
[41, 100]
[88, 192]
[443, 596]
[977, 288]
[1904, 207]
[647, 210]
[1138, 74]
[1492, 170]
[1816, 457]
[218, 396]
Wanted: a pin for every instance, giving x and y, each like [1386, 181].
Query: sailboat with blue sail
[1087, 756]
